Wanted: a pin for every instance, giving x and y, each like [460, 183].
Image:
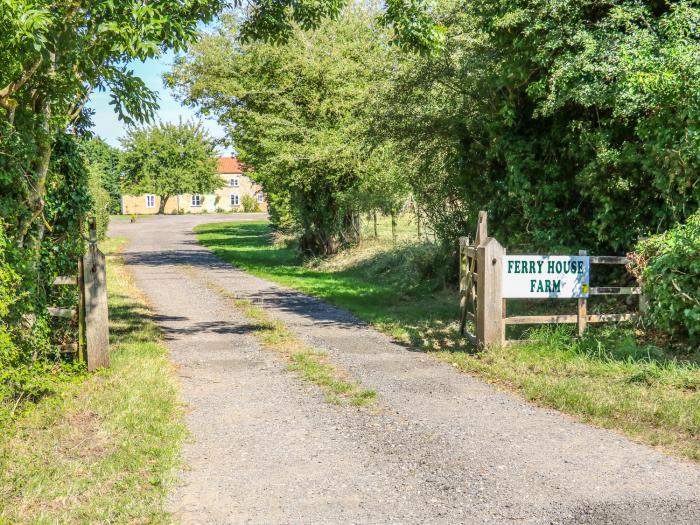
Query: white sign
[553, 276]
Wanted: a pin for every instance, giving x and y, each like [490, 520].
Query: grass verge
[104, 450]
[607, 378]
[376, 281]
[603, 379]
[310, 364]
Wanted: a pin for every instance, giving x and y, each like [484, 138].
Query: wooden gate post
[489, 319]
[96, 313]
[467, 265]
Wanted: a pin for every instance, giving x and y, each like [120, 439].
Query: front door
[210, 202]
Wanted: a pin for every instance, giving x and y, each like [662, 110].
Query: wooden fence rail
[482, 301]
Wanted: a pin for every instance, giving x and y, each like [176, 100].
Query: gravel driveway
[443, 447]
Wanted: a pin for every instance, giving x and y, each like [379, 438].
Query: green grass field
[363, 281]
[104, 450]
[607, 378]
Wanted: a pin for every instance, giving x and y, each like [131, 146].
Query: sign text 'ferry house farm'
[546, 276]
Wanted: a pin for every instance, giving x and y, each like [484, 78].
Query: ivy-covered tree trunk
[36, 191]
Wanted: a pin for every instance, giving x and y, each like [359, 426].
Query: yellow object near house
[228, 198]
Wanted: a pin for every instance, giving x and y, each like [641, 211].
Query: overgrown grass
[311, 364]
[607, 378]
[104, 450]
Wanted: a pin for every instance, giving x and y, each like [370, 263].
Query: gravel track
[444, 447]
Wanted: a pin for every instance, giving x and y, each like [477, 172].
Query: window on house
[196, 200]
[261, 197]
[150, 201]
[234, 199]
[233, 182]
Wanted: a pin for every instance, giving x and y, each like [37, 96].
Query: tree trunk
[314, 243]
[393, 226]
[163, 202]
[418, 223]
[374, 214]
[40, 169]
[349, 231]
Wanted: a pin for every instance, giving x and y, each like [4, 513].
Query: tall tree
[169, 159]
[296, 113]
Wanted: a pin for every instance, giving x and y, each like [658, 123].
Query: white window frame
[238, 199]
[234, 182]
[196, 198]
[261, 198]
[150, 201]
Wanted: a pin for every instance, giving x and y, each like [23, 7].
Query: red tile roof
[229, 165]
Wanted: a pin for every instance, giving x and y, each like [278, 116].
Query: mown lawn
[607, 378]
[104, 451]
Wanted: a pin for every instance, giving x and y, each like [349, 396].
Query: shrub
[100, 198]
[249, 204]
[9, 353]
[9, 280]
[668, 267]
[30, 361]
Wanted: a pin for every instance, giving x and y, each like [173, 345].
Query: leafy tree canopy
[413, 26]
[169, 159]
[52, 56]
[574, 123]
[297, 113]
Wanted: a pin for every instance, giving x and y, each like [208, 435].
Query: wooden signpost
[545, 276]
[95, 301]
[489, 278]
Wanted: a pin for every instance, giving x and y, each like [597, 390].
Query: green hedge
[31, 364]
[250, 205]
[669, 271]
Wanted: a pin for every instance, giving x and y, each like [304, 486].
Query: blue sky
[110, 128]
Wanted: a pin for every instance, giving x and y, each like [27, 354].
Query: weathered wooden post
[504, 301]
[489, 318]
[94, 288]
[482, 228]
[81, 311]
[582, 312]
[467, 268]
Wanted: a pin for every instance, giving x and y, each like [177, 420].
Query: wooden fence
[92, 311]
[481, 301]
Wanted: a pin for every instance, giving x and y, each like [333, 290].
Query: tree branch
[79, 105]
[13, 87]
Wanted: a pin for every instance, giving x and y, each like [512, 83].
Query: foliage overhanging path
[443, 448]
